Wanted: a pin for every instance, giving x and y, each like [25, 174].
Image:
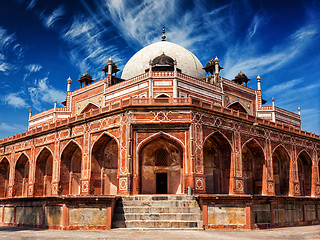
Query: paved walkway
[306, 232]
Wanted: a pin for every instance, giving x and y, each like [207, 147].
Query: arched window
[161, 157]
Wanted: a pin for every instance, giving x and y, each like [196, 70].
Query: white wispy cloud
[33, 67]
[9, 47]
[87, 46]
[12, 127]
[43, 92]
[248, 58]
[284, 86]
[31, 4]
[16, 100]
[48, 21]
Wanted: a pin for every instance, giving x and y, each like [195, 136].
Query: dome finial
[163, 33]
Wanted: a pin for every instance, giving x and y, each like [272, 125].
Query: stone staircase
[157, 212]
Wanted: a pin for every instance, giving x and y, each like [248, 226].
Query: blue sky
[42, 43]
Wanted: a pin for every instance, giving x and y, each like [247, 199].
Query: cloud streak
[49, 21]
[43, 92]
[16, 100]
[87, 46]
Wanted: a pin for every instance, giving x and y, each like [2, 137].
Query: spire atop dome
[163, 33]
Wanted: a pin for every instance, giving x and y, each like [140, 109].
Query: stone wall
[59, 213]
[258, 212]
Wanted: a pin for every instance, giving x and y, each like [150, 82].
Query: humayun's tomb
[170, 144]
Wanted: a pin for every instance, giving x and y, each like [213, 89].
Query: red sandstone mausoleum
[168, 125]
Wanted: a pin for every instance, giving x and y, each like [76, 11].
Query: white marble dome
[187, 62]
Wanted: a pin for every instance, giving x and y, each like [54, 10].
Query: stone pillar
[294, 185]
[236, 173]
[315, 182]
[123, 166]
[85, 163]
[32, 171]
[200, 179]
[190, 160]
[267, 176]
[11, 175]
[56, 167]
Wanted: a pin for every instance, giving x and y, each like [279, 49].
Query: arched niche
[238, 107]
[21, 176]
[161, 161]
[281, 170]
[43, 174]
[304, 173]
[253, 162]
[89, 107]
[70, 170]
[104, 166]
[217, 159]
[4, 177]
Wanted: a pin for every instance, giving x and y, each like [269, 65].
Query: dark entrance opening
[161, 183]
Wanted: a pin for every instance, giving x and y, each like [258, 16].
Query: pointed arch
[70, 169]
[21, 176]
[4, 176]
[162, 95]
[89, 106]
[104, 165]
[101, 135]
[160, 178]
[237, 105]
[70, 142]
[253, 163]
[43, 173]
[159, 135]
[42, 149]
[217, 161]
[304, 162]
[222, 134]
[281, 170]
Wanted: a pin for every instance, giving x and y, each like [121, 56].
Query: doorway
[162, 182]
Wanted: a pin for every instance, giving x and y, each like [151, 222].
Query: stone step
[157, 216]
[157, 224]
[165, 229]
[160, 203]
[140, 209]
[157, 197]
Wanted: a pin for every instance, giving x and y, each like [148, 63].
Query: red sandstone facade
[212, 134]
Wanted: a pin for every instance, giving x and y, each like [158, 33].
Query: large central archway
[161, 161]
[217, 159]
[104, 166]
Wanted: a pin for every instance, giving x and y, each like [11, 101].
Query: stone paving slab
[305, 232]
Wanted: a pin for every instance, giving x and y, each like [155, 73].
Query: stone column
[32, 171]
[294, 184]
[56, 167]
[85, 163]
[236, 174]
[315, 182]
[123, 165]
[200, 179]
[267, 176]
[11, 174]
